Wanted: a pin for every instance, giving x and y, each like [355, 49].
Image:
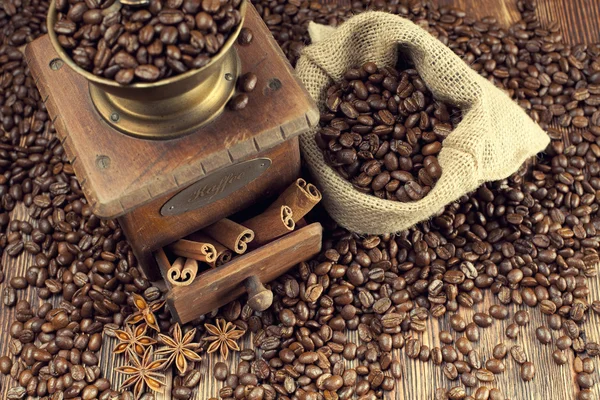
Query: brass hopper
[167, 108]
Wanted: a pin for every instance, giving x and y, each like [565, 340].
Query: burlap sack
[493, 139]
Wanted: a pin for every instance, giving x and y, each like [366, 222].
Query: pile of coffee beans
[144, 43]
[25, 150]
[22, 113]
[288, 20]
[383, 130]
[21, 21]
[530, 239]
[82, 269]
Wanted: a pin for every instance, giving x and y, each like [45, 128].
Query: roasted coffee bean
[595, 306]
[463, 345]
[18, 282]
[16, 393]
[527, 371]
[238, 102]
[495, 366]
[181, 392]
[396, 369]
[220, 371]
[559, 357]
[245, 37]
[445, 337]
[584, 380]
[547, 307]
[484, 375]
[450, 371]
[585, 394]
[521, 318]
[424, 353]
[457, 393]
[588, 365]
[5, 365]
[412, 348]
[482, 320]
[474, 359]
[469, 380]
[482, 393]
[9, 296]
[147, 72]
[498, 312]
[555, 322]
[564, 342]
[247, 82]
[472, 332]
[543, 335]
[512, 331]
[449, 355]
[458, 323]
[462, 366]
[500, 351]
[518, 354]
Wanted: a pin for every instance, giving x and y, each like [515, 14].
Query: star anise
[223, 337]
[134, 340]
[143, 372]
[179, 349]
[145, 311]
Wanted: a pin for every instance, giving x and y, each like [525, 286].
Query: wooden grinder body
[132, 179]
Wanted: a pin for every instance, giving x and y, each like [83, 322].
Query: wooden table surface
[578, 20]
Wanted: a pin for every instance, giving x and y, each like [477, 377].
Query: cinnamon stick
[271, 224]
[230, 234]
[301, 182]
[182, 272]
[203, 252]
[300, 196]
[224, 255]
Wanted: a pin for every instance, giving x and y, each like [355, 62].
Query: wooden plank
[578, 20]
[224, 284]
[156, 168]
[505, 11]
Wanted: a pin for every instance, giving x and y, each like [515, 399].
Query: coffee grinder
[168, 158]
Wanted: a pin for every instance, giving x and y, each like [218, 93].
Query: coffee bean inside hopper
[383, 130]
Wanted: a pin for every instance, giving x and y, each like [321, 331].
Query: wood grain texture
[579, 20]
[505, 11]
[101, 155]
[420, 379]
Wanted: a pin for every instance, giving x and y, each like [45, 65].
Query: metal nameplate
[215, 186]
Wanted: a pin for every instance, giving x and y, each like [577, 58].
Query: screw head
[228, 77]
[103, 162]
[275, 84]
[114, 117]
[56, 64]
